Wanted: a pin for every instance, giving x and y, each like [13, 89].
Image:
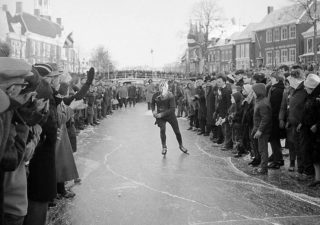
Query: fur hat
[5, 102]
[312, 81]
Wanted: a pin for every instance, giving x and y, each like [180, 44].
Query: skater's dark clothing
[166, 106]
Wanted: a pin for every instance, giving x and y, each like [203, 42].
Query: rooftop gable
[286, 15]
[39, 25]
[248, 32]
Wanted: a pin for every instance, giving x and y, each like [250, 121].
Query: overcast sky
[131, 28]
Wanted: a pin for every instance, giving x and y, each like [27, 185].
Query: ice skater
[165, 112]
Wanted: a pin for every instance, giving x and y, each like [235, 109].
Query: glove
[90, 76]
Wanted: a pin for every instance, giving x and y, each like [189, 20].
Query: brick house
[36, 38]
[308, 54]
[279, 37]
[222, 54]
[245, 48]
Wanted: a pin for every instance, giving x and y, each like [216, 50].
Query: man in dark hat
[13, 131]
[165, 112]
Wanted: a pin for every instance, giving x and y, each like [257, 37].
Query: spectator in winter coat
[189, 96]
[275, 98]
[123, 95]
[262, 126]
[234, 118]
[247, 125]
[295, 115]
[283, 118]
[211, 106]
[311, 123]
[224, 103]
[42, 186]
[202, 109]
[132, 93]
[13, 130]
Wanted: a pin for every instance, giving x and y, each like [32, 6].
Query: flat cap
[13, 71]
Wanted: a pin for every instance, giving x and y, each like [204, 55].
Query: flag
[184, 57]
[69, 41]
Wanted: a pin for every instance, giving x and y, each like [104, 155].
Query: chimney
[59, 21]
[5, 8]
[37, 12]
[270, 9]
[19, 7]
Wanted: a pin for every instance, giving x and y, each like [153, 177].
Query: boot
[164, 150]
[183, 149]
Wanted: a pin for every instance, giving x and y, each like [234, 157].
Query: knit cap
[312, 81]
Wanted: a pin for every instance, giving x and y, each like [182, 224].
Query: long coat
[211, 105]
[202, 111]
[66, 169]
[275, 97]
[42, 184]
[150, 90]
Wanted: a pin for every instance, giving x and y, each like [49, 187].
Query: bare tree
[312, 14]
[101, 60]
[208, 14]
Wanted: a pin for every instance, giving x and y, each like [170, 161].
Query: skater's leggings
[175, 126]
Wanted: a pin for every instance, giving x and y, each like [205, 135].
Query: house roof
[283, 16]
[38, 25]
[248, 32]
[309, 33]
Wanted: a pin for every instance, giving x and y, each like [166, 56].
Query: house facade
[37, 38]
[245, 48]
[308, 42]
[278, 37]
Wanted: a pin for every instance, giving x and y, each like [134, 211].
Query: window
[242, 51]
[238, 51]
[247, 50]
[284, 33]
[292, 55]
[269, 36]
[269, 58]
[292, 32]
[276, 34]
[309, 45]
[284, 55]
[277, 57]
